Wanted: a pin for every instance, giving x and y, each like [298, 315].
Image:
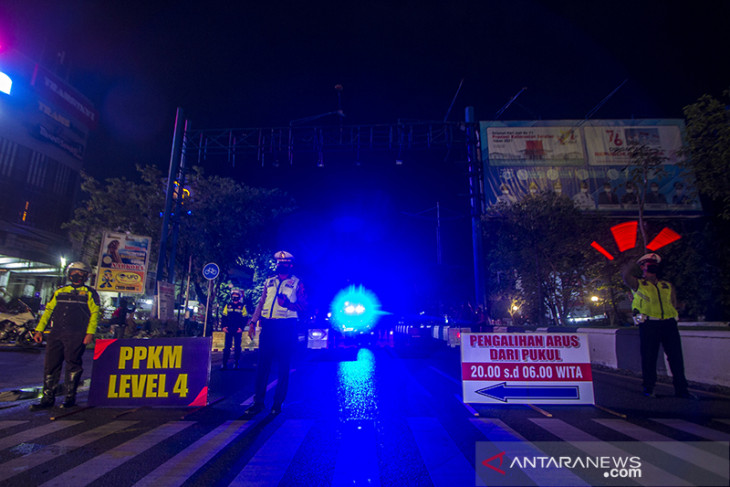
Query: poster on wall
[587, 162]
[123, 262]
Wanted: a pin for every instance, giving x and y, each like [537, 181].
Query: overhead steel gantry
[299, 144]
[277, 145]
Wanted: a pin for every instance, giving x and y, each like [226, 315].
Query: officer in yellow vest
[655, 311]
[74, 311]
[234, 321]
[281, 304]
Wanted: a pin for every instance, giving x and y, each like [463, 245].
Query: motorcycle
[17, 322]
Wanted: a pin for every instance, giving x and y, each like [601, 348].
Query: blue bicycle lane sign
[211, 271]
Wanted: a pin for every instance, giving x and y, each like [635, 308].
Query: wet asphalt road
[377, 415]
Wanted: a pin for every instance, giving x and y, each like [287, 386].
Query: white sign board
[526, 368]
[165, 301]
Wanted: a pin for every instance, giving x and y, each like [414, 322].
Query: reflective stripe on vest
[654, 300]
[274, 286]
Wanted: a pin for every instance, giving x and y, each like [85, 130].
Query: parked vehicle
[17, 321]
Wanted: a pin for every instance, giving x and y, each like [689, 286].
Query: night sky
[259, 64]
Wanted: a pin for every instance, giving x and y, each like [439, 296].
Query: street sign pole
[207, 308]
[210, 272]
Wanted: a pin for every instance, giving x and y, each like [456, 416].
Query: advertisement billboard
[123, 261]
[587, 161]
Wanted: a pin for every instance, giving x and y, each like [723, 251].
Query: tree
[708, 150]
[708, 158]
[646, 164]
[228, 220]
[116, 205]
[222, 221]
[536, 253]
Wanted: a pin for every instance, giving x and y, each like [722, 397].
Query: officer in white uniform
[281, 304]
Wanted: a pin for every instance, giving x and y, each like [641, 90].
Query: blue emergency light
[355, 310]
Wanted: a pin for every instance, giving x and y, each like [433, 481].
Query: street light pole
[476, 199]
[174, 159]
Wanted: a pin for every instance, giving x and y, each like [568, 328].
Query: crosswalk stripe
[578, 439]
[33, 433]
[357, 457]
[96, 467]
[21, 464]
[179, 468]
[694, 429]
[10, 424]
[445, 463]
[269, 464]
[496, 430]
[699, 457]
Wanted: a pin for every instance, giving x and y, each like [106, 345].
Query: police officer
[74, 311]
[655, 311]
[234, 321]
[281, 304]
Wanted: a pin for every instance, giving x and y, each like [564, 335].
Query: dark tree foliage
[708, 151]
[537, 255]
[221, 220]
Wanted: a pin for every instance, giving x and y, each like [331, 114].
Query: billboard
[123, 261]
[586, 161]
[60, 94]
[61, 115]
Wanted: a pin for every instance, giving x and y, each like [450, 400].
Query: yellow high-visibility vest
[654, 300]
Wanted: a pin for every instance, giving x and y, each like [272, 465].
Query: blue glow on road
[355, 310]
[356, 389]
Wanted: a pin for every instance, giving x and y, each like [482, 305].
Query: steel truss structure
[305, 144]
[301, 145]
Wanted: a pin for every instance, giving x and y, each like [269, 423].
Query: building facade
[44, 128]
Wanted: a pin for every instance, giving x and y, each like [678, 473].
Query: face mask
[77, 279]
[505, 191]
[583, 190]
[653, 268]
[607, 190]
[655, 190]
[283, 269]
[629, 191]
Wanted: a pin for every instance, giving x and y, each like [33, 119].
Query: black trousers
[64, 346]
[277, 343]
[232, 338]
[653, 333]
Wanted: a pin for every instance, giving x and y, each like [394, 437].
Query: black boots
[50, 382]
[72, 383]
[49, 393]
